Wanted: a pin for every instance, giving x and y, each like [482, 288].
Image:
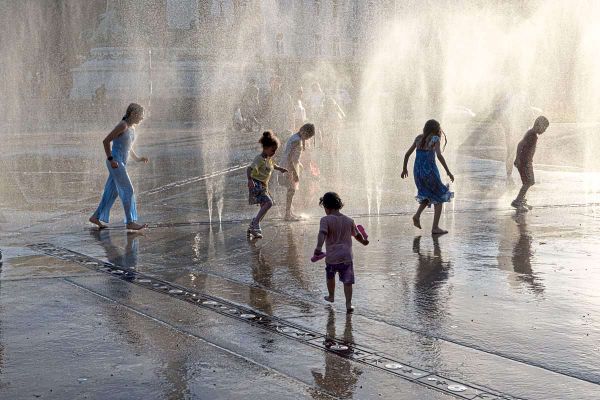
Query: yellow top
[262, 168]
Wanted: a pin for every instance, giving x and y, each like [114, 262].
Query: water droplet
[210, 303]
[117, 272]
[143, 280]
[175, 291]
[248, 316]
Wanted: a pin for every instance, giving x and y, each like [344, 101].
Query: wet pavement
[504, 306]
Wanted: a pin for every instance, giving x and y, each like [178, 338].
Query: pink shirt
[338, 230]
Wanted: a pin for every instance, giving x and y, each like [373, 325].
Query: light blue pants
[118, 184]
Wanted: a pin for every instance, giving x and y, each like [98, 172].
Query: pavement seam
[191, 334]
[348, 350]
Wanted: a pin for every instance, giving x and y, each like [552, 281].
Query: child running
[430, 188]
[291, 160]
[524, 161]
[336, 231]
[259, 174]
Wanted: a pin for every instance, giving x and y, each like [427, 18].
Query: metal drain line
[290, 330]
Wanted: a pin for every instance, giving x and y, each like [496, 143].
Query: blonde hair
[131, 109]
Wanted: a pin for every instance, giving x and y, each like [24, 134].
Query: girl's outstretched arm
[280, 169]
[438, 152]
[406, 157]
[138, 158]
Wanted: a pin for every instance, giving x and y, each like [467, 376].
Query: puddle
[457, 388]
[393, 366]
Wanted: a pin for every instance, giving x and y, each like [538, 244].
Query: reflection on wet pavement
[518, 291]
[340, 375]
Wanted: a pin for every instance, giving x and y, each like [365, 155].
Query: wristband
[110, 158]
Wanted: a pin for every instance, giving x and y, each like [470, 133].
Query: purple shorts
[345, 271]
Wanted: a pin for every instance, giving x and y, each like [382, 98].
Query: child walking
[259, 174]
[524, 161]
[430, 188]
[291, 161]
[336, 231]
[118, 183]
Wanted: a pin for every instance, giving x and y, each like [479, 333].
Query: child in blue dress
[430, 188]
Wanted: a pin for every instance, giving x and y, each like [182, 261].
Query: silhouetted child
[259, 174]
[291, 161]
[524, 161]
[336, 231]
[431, 189]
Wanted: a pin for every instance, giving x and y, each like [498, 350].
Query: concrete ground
[504, 306]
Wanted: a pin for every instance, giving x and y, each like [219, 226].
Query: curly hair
[269, 139]
[331, 200]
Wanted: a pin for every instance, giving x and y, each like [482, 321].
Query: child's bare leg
[437, 213]
[264, 207]
[348, 294]
[522, 193]
[330, 289]
[417, 216]
[288, 201]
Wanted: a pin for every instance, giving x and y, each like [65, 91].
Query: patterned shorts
[259, 194]
[345, 271]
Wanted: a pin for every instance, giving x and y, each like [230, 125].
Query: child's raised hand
[404, 174]
[283, 170]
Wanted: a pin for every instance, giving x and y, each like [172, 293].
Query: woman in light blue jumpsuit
[118, 183]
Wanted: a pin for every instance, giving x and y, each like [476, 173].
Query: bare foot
[132, 226]
[329, 298]
[416, 221]
[438, 231]
[96, 221]
[292, 218]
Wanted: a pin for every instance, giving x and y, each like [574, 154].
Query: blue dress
[118, 183]
[427, 176]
